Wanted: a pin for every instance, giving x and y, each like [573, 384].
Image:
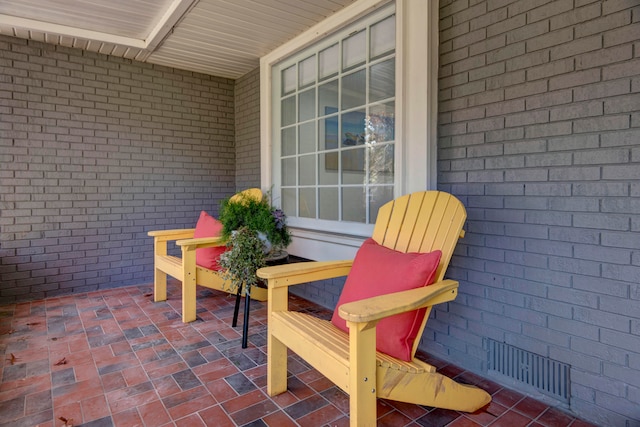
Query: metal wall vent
[549, 376]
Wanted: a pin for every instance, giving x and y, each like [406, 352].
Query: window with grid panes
[334, 126]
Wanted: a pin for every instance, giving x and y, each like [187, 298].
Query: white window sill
[323, 246]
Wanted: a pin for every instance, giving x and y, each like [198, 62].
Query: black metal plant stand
[279, 257]
[245, 326]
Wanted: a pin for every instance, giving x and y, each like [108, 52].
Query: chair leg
[278, 300]
[188, 285]
[362, 375]
[188, 302]
[276, 366]
[159, 285]
[430, 389]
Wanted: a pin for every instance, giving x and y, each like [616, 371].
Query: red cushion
[208, 226]
[378, 270]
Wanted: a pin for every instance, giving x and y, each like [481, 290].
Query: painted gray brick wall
[94, 152]
[247, 127]
[539, 135]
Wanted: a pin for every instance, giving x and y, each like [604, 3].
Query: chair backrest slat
[390, 229]
[422, 222]
[451, 215]
[409, 239]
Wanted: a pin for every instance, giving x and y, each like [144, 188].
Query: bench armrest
[303, 272]
[376, 308]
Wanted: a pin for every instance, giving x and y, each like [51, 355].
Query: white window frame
[416, 110]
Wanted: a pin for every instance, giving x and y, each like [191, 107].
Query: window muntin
[336, 126]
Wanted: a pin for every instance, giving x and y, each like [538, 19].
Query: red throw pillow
[208, 226]
[378, 270]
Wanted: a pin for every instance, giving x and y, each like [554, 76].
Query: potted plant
[257, 215]
[253, 228]
[244, 257]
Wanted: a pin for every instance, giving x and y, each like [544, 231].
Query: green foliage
[242, 220]
[256, 215]
[245, 256]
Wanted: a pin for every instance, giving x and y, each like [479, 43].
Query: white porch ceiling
[224, 38]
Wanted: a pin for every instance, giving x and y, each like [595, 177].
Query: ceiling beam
[174, 14]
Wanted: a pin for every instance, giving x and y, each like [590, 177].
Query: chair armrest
[182, 233]
[376, 308]
[303, 272]
[200, 242]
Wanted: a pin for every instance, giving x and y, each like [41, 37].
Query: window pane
[382, 80]
[378, 197]
[328, 98]
[337, 124]
[289, 80]
[353, 128]
[352, 166]
[307, 207]
[288, 111]
[307, 105]
[381, 123]
[307, 170]
[289, 171]
[307, 71]
[307, 138]
[383, 37]
[353, 207]
[328, 133]
[289, 201]
[328, 59]
[354, 50]
[288, 137]
[353, 90]
[328, 203]
[328, 167]
[381, 164]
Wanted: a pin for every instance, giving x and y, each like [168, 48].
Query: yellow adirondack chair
[185, 269]
[420, 222]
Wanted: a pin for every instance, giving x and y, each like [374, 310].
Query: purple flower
[279, 217]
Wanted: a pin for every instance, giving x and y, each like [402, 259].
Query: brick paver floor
[116, 358]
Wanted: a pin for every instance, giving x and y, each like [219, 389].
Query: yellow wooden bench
[420, 222]
[185, 269]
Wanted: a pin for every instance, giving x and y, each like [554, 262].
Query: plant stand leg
[245, 327]
[237, 308]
